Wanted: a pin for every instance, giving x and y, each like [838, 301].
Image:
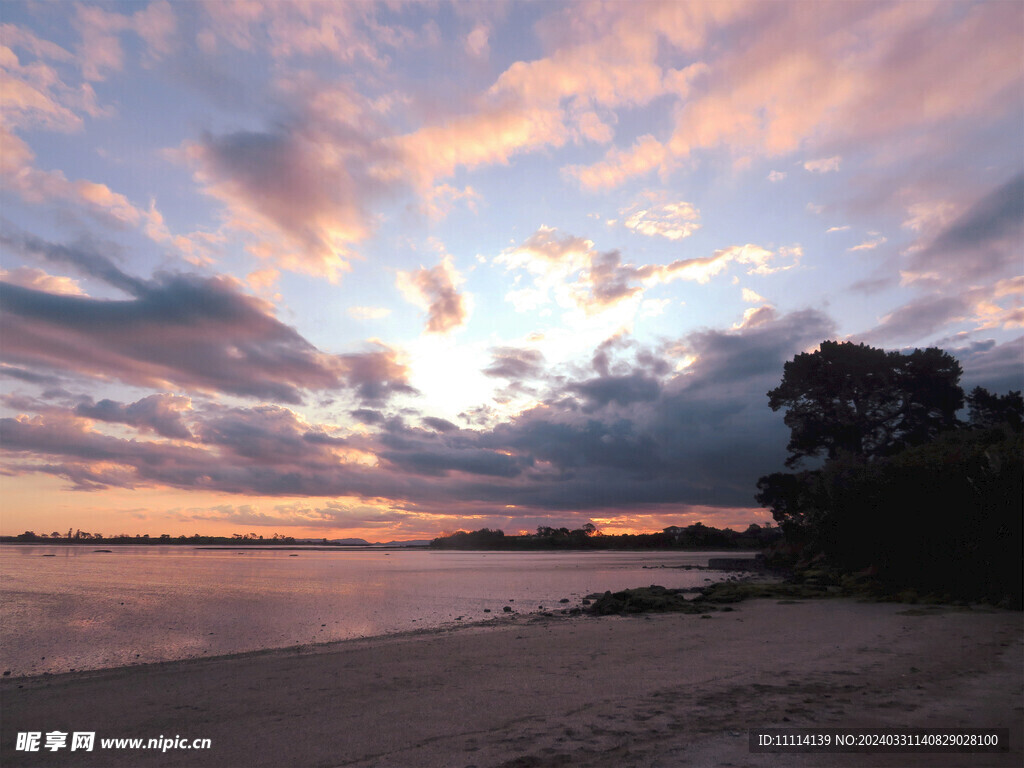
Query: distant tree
[986, 409]
[865, 401]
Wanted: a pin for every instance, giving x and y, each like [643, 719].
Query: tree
[853, 398]
[905, 489]
[986, 409]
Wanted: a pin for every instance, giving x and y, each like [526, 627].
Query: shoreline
[656, 689]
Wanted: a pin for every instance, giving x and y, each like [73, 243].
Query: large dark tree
[853, 398]
[924, 501]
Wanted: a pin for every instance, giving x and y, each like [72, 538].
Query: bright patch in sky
[365, 269]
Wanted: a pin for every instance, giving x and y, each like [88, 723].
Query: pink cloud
[301, 191]
[839, 75]
[100, 51]
[436, 291]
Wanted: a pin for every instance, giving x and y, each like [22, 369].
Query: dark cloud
[600, 391]
[29, 376]
[611, 281]
[84, 257]
[984, 241]
[997, 367]
[376, 374]
[266, 434]
[873, 285]
[439, 425]
[515, 364]
[367, 416]
[159, 413]
[189, 330]
[917, 319]
[612, 442]
[195, 332]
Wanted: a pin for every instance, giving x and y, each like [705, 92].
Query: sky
[389, 270]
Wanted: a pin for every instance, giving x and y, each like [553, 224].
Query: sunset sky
[385, 270]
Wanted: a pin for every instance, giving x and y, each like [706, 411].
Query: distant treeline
[82, 537]
[696, 536]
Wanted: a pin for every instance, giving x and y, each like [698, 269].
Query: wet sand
[659, 690]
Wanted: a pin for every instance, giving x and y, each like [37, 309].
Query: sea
[65, 608]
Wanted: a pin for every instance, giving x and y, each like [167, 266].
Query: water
[82, 609]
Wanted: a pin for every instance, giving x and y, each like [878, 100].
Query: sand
[659, 690]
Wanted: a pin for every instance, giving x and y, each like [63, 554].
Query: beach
[650, 690]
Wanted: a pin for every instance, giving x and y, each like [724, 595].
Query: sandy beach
[655, 690]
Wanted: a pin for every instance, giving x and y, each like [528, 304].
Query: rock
[645, 599]
[736, 564]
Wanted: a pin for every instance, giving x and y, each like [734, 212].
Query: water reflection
[83, 609]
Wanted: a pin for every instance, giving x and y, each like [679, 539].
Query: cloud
[344, 32]
[477, 44]
[186, 330]
[29, 277]
[576, 274]
[917, 319]
[928, 215]
[285, 192]
[33, 96]
[982, 242]
[869, 245]
[302, 188]
[646, 154]
[160, 413]
[775, 176]
[100, 52]
[560, 97]
[823, 165]
[997, 367]
[515, 364]
[984, 307]
[436, 291]
[376, 374]
[904, 80]
[673, 221]
[83, 256]
[615, 438]
[754, 316]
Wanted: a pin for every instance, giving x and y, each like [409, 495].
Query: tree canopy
[866, 401]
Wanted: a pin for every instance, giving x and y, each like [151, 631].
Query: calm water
[82, 609]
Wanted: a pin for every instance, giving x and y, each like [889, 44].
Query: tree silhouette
[905, 489]
[865, 401]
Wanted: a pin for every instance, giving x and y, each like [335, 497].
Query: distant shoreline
[263, 545]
